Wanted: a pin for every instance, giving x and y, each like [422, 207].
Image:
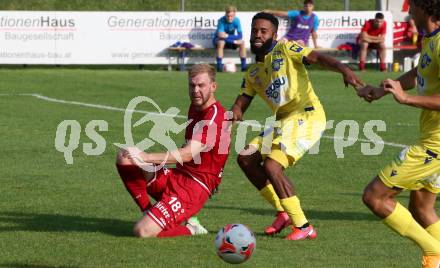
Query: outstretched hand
[370, 93]
[350, 78]
[237, 114]
[394, 87]
[135, 155]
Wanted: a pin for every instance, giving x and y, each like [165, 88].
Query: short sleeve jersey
[282, 80]
[229, 28]
[428, 84]
[209, 127]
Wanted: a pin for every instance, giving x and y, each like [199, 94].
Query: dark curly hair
[267, 16]
[430, 7]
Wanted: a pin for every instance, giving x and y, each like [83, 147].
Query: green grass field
[58, 215]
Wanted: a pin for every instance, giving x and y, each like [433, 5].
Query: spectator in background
[373, 36]
[229, 35]
[303, 24]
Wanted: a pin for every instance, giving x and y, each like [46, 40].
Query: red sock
[179, 230]
[135, 183]
[361, 65]
[382, 66]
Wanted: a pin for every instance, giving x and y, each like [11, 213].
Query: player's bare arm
[426, 102]
[282, 14]
[371, 93]
[331, 63]
[408, 79]
[315, 39]
[240, 106]
[186, 153]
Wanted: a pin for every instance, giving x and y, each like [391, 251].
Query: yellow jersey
[282, 80]
[428, 84]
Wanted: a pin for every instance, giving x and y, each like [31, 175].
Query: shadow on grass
[63, 223]
[312, 214]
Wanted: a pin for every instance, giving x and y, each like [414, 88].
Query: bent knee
[243, 161]
[369, 199]
[142, 232]
[366, 197]
[247, 161]
[273, 168]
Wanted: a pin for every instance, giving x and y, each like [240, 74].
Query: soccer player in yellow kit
[280, 78]
[417, 168]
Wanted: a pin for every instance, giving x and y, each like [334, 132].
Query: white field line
[111, 108]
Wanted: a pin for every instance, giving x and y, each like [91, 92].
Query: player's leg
[135, 179]
[380, 199]
[250, 161]
[382, 54]
[422, 207]
[295, 136]
[242, 53]
[146, 227]
[220, 46]
[363, 49]
[274, 166]
[183, 198]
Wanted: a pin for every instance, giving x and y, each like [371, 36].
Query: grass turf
[58, 215]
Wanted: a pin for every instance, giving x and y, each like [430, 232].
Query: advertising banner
[50, 37]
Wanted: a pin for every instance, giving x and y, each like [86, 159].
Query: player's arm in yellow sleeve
[242, 101]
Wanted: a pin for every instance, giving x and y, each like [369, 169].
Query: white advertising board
[49, 37]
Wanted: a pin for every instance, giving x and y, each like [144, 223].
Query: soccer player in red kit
[182, 191]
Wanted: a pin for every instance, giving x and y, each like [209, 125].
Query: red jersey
[210, 128]
[370, 30]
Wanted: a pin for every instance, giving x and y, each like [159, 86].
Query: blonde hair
[200, 69]
[229, 9]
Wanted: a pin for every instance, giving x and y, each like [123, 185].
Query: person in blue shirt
[229, 35]
[303, 23]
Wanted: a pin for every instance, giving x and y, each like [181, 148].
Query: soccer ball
[229, 67]
[235, 243]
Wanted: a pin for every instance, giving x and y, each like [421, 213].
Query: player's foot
[431, 261]
[193, 224]
[281, 221]
[297, 233]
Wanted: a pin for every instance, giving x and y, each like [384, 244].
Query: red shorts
[178, 195]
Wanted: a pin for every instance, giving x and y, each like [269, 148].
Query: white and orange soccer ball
[235, 243]
[229, 67]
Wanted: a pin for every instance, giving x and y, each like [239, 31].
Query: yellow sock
[434, 230]
[292, 206]
[401, 221]
[268, 192]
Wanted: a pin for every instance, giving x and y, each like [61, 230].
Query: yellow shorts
[292, 136]
[416, 167]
